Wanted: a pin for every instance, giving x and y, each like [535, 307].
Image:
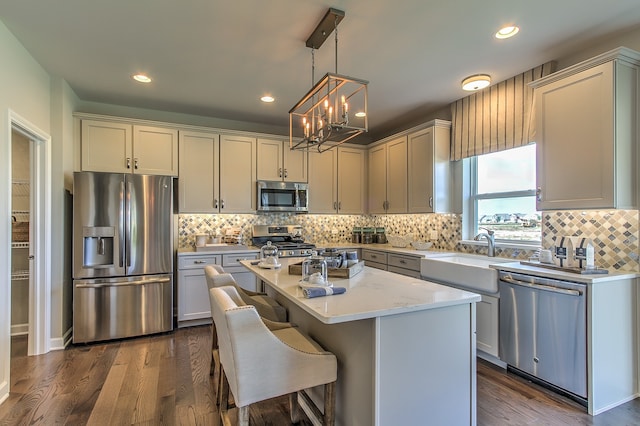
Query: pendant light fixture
[335, 109]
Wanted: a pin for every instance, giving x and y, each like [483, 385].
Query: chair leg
[243, 416]
[223, 391]
[329, 417]
[214, 347]
[294, 408]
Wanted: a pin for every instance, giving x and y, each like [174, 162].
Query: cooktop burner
[288, 239]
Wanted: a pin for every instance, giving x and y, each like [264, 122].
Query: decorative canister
[269, 254]
[314, 270]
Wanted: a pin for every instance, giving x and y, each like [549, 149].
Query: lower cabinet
[487, 325]
[192, 293]
[392, 262]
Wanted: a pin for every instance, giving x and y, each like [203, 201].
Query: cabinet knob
[431, 202]
[222, 204]
[539, 194]
[280, 172]
[285, 173]
[135, 163]
[339, 205]
[128, 163]
[335, 205]
[215, 203]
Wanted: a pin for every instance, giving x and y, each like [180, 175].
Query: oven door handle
[550, 288]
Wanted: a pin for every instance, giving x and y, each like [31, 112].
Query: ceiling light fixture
[320, 120]
[508, 31]
[141, 78]
[476, 82]
[267, 99]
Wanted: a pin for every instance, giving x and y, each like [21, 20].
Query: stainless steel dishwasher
[543, 330]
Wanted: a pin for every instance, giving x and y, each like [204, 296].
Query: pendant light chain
[335, 28]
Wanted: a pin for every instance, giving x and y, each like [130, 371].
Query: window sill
[503, 244]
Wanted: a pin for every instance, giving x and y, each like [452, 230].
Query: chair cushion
[295, 339]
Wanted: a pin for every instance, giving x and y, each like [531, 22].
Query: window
[502, 195]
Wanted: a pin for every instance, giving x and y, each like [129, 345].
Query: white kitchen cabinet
[351, 180]
[487, 324]
[237, 174]
[403, 265]
[586, 132]
[193, 293]
[388, 177]
[375, 258]
[323, 182]
[108, 146]
[198, 179]
[430, 173]
[276, 162]
[337, 181]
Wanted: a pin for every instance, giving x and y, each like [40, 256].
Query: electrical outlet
[433, 235]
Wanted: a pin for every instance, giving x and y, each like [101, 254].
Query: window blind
[496, 118]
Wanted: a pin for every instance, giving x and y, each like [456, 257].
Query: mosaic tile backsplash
[615, 233]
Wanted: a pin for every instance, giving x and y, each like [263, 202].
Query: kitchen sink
[463, 270]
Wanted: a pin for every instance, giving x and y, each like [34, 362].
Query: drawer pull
[199, 262]
[402, 261]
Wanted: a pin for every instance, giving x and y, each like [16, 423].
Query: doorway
[32, 257]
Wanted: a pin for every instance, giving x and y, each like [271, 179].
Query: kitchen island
[405, 347]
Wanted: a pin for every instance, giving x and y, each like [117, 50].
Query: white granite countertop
[341, 246]
[371, 293]
[563, 275]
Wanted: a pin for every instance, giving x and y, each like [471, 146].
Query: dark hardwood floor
[164, 380]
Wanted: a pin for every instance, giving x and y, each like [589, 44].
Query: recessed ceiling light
[141, 78]
[361, 114]
[476, 82]
[508, 31]
[267, 99]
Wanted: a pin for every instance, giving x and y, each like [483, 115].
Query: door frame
[39, 340]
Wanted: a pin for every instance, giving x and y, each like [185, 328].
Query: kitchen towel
[310, 292]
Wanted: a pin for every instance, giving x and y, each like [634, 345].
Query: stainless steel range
[288, 239]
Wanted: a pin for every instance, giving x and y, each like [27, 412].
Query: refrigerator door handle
[124, 283]
[127, 229]
[121, 228]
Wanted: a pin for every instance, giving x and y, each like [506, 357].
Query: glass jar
[314, 270]
[269, 254]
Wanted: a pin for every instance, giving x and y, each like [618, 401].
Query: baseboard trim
[19, 329]
[60, 343]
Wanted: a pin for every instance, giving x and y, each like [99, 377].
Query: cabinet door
[420, 170]
[193, 295]
[155, 151]
[351, 181]
[198, 172]
[270, 159]
[377, 187]
[574, 141]
[397, 175]
[323, 175]
[237, 174]
[106, 146]
[487, 325]
[295, 164]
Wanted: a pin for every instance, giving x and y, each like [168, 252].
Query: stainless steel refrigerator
[122, 255]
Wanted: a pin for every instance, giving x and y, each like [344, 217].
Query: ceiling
[216, 58]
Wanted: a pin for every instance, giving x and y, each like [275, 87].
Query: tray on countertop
[573, 270]
[296, 269]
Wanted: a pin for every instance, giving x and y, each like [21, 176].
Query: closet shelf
[20, 188]
[20, 275]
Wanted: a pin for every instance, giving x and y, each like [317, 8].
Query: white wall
[24, 85]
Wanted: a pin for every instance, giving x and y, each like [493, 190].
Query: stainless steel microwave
[274, 196]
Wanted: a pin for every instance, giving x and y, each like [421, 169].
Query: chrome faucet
[491, 241]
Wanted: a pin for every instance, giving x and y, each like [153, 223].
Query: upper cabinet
[276, 162]
[337, 181]
[237, 174]
[431, 176]
[388, 177]
[119, 147]
[586, 132]
[198, 181]
[217, 173]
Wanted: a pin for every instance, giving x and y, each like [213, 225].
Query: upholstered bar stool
[266, 306]
[259, 362]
